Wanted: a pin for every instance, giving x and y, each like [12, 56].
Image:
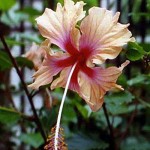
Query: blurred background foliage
[128, 111]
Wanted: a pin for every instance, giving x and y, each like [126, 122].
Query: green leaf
[30, 11]
[8, 17]
[5, 62]
[122, 109]
[32, 139]
[69, 114]
[6, 4]
[122, 80]
[13, 42]
[119, 98]
[34, 38]
[136, 46]
[141, 14]
[9, 115]
[84, 110]
[134, 55]
[138, 80]
[136, 9]
[24, 62]
[117, 109]
[117, 102]
[135, 51]
[146, 46]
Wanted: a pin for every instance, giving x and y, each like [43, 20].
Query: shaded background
[84, 130]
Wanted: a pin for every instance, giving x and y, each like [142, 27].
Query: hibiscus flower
[85, 43]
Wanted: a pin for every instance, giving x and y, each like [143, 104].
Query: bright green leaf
[136, 46]
[146, 46]
[134, 55]
[135, 51]
[135, 10]
[13, 42]
[6, 4]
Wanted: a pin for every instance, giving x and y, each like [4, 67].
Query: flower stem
[112, 139]
[37, 121]
[61, 106]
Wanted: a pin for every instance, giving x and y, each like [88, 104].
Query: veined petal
[93, 89]
[50, 67]
[92, 93]
[103, 37]
[62, 79]
[59, 26]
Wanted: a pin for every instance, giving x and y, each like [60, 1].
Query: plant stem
[61, 106]
[112, 139]
[24, 87]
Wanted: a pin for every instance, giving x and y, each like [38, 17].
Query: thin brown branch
[112, 138]
[24, 87]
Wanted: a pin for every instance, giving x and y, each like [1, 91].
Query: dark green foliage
[5, 62]
[24, 62]
[33, 139]
[9, 116]
[84, 142]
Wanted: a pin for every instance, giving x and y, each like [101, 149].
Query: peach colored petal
[93, 90]
[48, 69]
[37, 53]
[102, 35]
[59, 26]
[92, 93]
[62, 80]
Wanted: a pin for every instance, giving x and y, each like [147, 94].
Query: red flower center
[80, 57]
